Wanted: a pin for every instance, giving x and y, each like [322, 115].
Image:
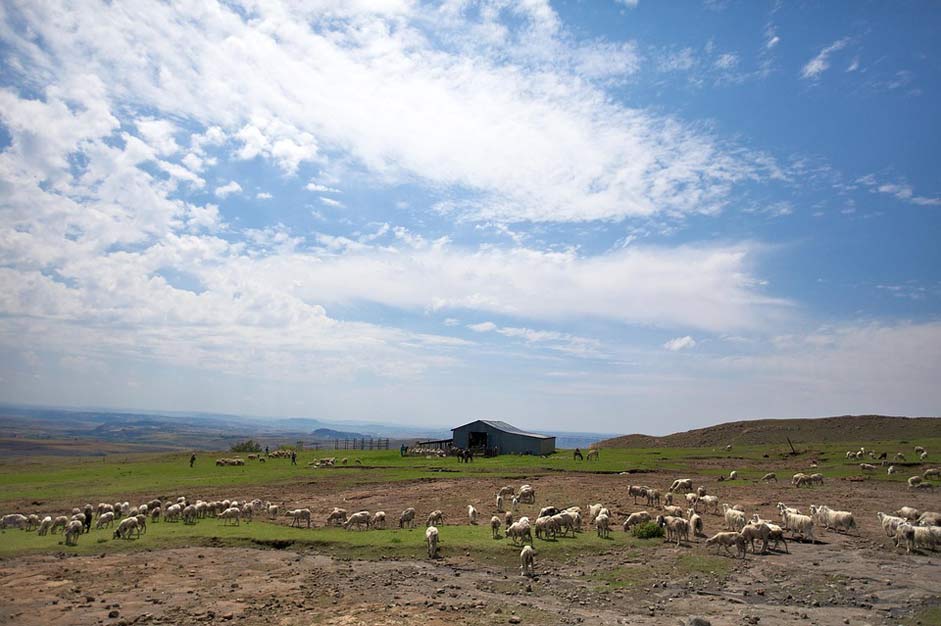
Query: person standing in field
[192, 459]
[293, 457]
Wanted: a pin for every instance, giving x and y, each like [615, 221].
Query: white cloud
[482, 327]
[228, 189]
[726, 61]
[330, 202]
[313, 186]
[263, 195]
[820, 63]
[899, 190]
[680, 343]
[159, 134]
[632, 4]
[450, 321]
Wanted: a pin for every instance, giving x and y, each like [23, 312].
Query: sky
[607, 215]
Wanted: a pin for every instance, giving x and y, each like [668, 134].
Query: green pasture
[123, 476]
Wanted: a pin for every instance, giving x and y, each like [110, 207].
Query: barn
[495, 437]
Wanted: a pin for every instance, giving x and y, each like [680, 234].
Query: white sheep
[45, 525]
[107, 519]
[495, 527]
[519, 531]
[299, 515]
[14, 520]
[72, 532]
[141, 522]
[867, 467]
[638, 517]
[506, 491]
[769, 477]
[830, 519]
[802, 525]
[593, 511]
[500, 506]
[915, 537]
[431, 538]
[602, 523]
[636, 491]
[189, 514]
[272, 511]
[733, 475]
[527, 495]
[929, 518]
[695, 523]
[126, 527]
[890, 523]
[913, 481]
[407, 518]
[527, 560]
[154, 514]
[919, 449]
[675, 511]
[232, 513]
[436, 517]
[891, 470]
[653, 497]
[337, 517]
[726, 539]
[472, 514]
[709, 503]
[378, 520]
[923, 456]
[756, 530]
[734, 519]
[931, 472]
[172, 514]
[684, 484]
[676, 528]
[59, 523]
[909, 513]
[358, 519]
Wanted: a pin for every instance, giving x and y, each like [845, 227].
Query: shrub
[249, 445]
[647, 530]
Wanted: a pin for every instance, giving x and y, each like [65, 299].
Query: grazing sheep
[359, 519]
[527, 495]
[104, 520]
[899, 457]
[337, 517]
[435, 517]
[472, 514]
[602, 526]
[756, 530]
[830, 519]
[189, 514]
[141, 522]
[890, 523]
[60, 522]
[684, 484]
[272, 511]
[733, 475]
[677, 528]
[891, 470]
[909, 513]
[919, 449]
[769, 477]
[567, 521]
[32, 521]
[14, 520]
[709, 503]
[653, 497]
[923, 456]
[431, 538]
[407, 518]
[867, 467]
[695, 522]
[726, 539]
[506, 491]
[299, 515]
[734, 519]
[638, 517]
[929, 518]
[507, 519]
[495, 527]
[155, 515]
[546, 527]
[592, 454]
[500, 507]
[675, 511]
[700, 491]
[636, 491]
[527, 560]
[914, 480]
[668, 498]
[72, 532]
[231, 513]
[173, 513]
[44, 526]
[799, 479]
[932, 472]
[378, 519]
[126, 527]
[519, 531]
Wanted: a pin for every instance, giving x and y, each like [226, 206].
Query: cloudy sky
[607, 215]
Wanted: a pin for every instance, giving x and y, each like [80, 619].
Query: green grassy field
[74, 480]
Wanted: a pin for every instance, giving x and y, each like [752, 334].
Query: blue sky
[613, 216]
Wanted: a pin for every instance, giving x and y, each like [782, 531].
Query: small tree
[249, 445]
[647, 530]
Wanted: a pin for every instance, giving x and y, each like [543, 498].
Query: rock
[113, 614]
[514, 619]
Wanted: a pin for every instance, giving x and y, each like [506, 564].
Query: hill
[329, 433]
[802, 430]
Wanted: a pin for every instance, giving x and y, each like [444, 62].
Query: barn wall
[508, 443]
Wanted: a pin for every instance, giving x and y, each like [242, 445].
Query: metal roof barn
[497, 437]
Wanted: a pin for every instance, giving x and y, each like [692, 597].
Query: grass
[698, 563]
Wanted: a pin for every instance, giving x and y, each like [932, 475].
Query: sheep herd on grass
[680, 511]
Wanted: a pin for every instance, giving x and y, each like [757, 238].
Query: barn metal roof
[507, 428]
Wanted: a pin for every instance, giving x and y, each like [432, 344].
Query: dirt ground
[845, 579]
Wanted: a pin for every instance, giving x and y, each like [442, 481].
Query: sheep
[435, 517]
[802, 525]
[816, 479]
[127, 526]
[155, 515]
[189, 514]
[653, 497]
[231, 513]
[695, 522]
[519, 531]
[769, 477]
[514, 503]
[527, 495]
[668, 498]
[337, 517]
[733, 475]
[105, 520]
[734, 519]
[141, 522]
[567, 521]
[914, 481]
[899, 457]
[638, 517]
[932, 472]
[32, 521]
[378, 519]
[407, 518]
[472, 514]
[867, 467]
[917, 536]
[890, 523]
[636, 491]
[14, 520]
[431, 538]
[172, 513]
[676, 527]
[506, 491]
[72, 532]
[527, 561]
[546, 526]
[756, 530]
[923, 456]
[44, 526]
[248, 512]
[837, 520]
[602, 526]
[726, 539]
[299, 515]
[692, 500]
[675, 511]
[500, 507]
[929, 518]
[709, 502]
[60, 522]
[272, 511]
[593, 511]
[909, 513]
[359, 519]
[507, 519]
[686, 484]
[891, 470]
[798, 479]
[495, 527]
[919, 449]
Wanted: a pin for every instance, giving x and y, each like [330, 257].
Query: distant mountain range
[163, 431]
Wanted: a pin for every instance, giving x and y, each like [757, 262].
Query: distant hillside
[329, 433]
[804, 430]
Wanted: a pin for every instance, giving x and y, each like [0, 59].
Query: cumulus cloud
[228, 189]
[482, 327]
[820, 63]
[680, 343]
